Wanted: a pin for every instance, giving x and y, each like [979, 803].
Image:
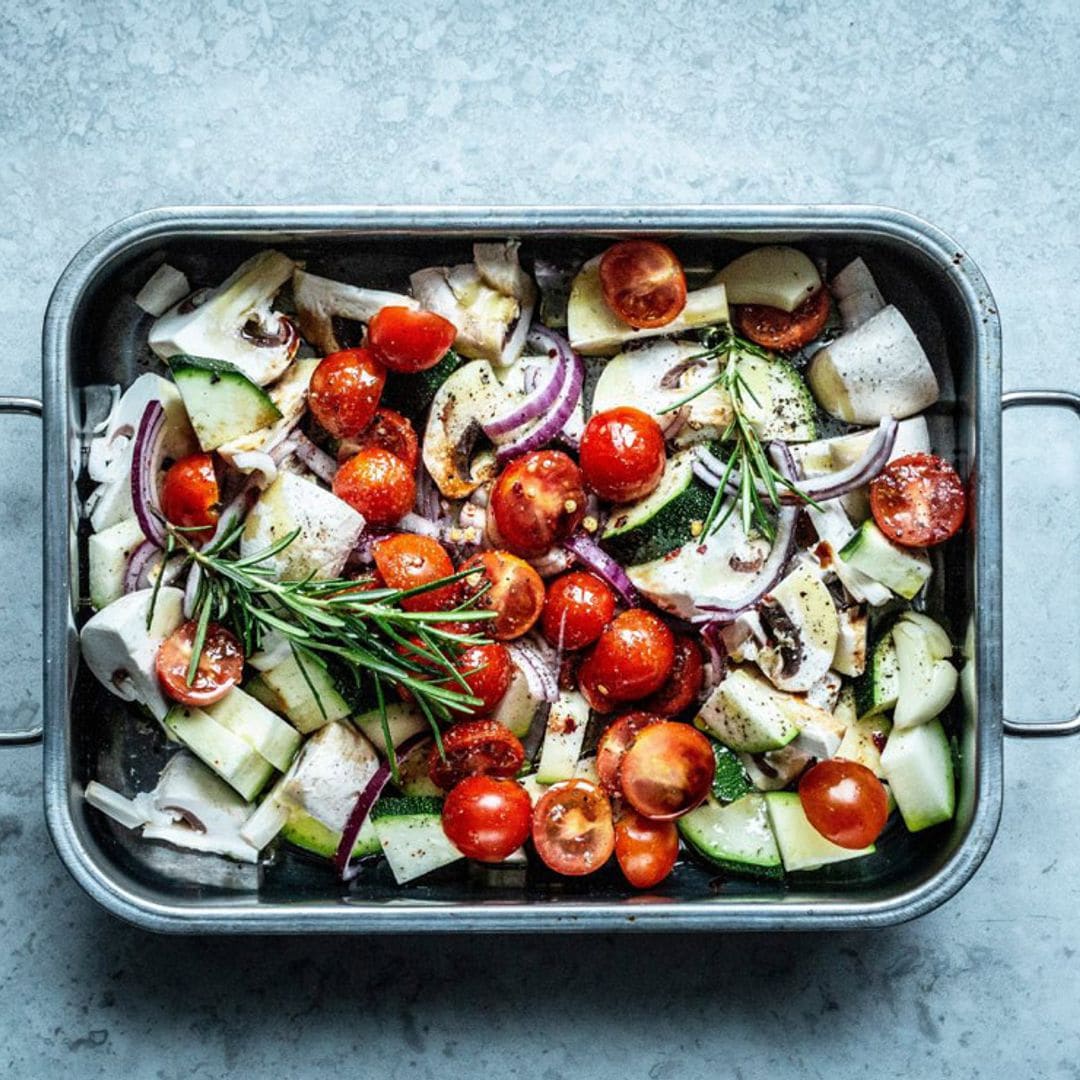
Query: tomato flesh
[345, 390]
[667, 770]
[783, 331]
[487, 818]
[646, 849]
[389, 430]
[537, 501]
[475, 748]
[221, 664]
[407, 341]
[515, 591]
[845, 802]
[643, 282]
[622, 454]
[614, 742]
[578, 607]
[631, 659]
[190, 496]
[378, 485]
[918, 500]
[572, 828]
[405, 561]
[683, 685]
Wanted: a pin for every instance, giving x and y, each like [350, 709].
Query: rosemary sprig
[365, 630]
[746, 456]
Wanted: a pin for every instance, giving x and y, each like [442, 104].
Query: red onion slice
[364, 802]
[539, 400]
[543, 682]
[547, 427]
[145, 465]
[139, 565]
[598, 560]
[817, 488]
[315, 458]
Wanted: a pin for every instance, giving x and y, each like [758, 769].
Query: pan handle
[27, 407]
[1056, 399]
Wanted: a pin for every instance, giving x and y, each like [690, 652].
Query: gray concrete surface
[968, 116]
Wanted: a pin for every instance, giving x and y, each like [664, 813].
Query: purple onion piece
[543, 682]
[539, 401]
[547, 427]
[139, 564]
[315, 458]
[599, 561]
[145, 464]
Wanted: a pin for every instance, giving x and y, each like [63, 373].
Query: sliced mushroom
[318, 300]
[235, 322]
[775, 769]
[470, 397]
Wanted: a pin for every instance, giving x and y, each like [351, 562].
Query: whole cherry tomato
[578, 607]
[622, 454]
[407, 341]
[783, 331]
[486, 818]
[667, 770]
[646, 849]
[487, 670]
[537, 501]
[572, 827]
[845, 802]
[643, 282]
[514, 590]
[190, 496]
[918, 500]
[405, 561]
[377, 484]
[221, 664]
[345, 390]
[475, 748]
[633, 658]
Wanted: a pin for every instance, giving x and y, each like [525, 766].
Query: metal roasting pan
[95, 334]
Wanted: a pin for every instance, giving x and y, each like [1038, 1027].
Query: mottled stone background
[968, 116]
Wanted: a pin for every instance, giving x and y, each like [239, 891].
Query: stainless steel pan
[95, 334]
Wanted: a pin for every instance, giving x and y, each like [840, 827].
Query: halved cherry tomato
[578, 607]
[405, 561]
[845, 802]
[475, 748]
[683, 684]
[783, 331]
[487, 670]
[516, 592]
[918, 500]
[345, 390]
[643, 282]
[632, 659]
[221, 664]
[614, 742]
[622, 454]
[407, 341]
[190, 496]
[486, 818]
[391, 431]
[667, 770]
[572, 827]
[537, 501]
[377, 484]
[646, 849]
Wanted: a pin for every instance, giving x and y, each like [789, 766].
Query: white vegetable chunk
[856, 294]
[876, 370]
[165, 287]
[778, 276]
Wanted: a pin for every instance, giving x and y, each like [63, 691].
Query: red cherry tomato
[578, 607]
[918, 500]
[783, 331]
[633, 658]
[845, 802]
[345, 391]
[475, 748]
[537, 501]
[221, 664]
[487, 670]
[643, 282]
[486, 818]
[516, 592]
[377, 484]
[405, 562]
[572, 828]
[392, 432]
[683, 684]
[646, 849]
[190, 496]
[614, 742]
[407, 341]
[667, 770]
[622, 454]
